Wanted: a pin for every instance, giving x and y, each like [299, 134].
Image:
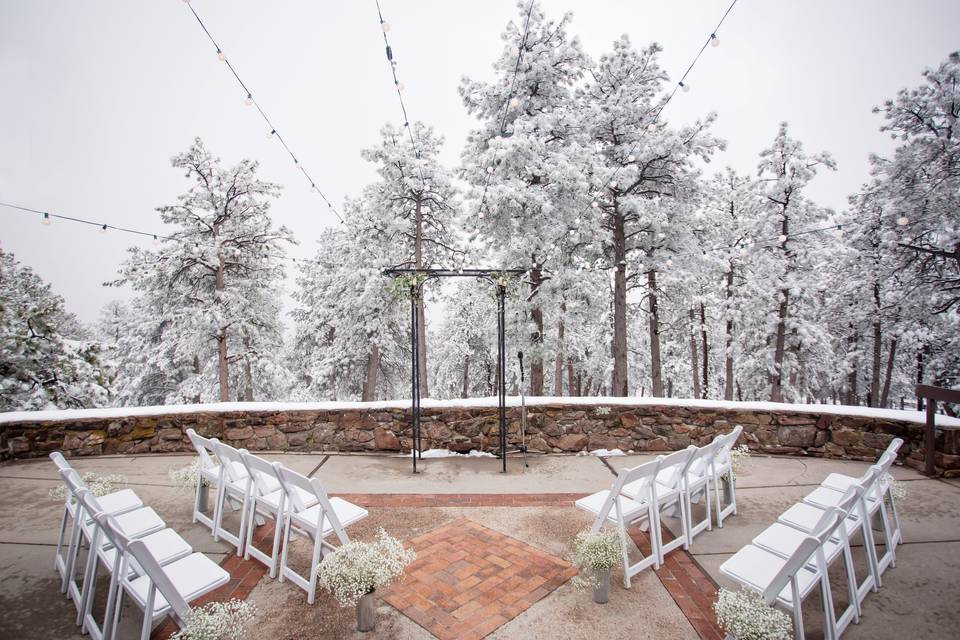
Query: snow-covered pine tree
[47, 359]
[638, 160]
[524, 164]
[207, 312]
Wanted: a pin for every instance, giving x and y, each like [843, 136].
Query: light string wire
[653, 120]
[251, 100]
[414, 141]
[506, 109]
[47, 215]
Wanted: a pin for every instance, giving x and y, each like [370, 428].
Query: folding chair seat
[116, 502]
[234, 490]
[783, 540]
[160, 590]
[841, 482]
[166, 545]
[137, 523]
[268, 504]
[611, 506]
[721, 474]
[788, 581]
[210, 470]
[697, 487]
[328, 516]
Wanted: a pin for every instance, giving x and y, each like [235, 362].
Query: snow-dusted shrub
[357, 568]
[218, 621]
[594, 552]
[745, 616]
[97, 484]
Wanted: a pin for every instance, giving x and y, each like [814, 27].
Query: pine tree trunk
[465, 390]
[656, 373]
[776, 376]
[728, 363]
[223, 372]
[877, 343]
[536, 314]
[558, 365]
[421, 324]
[373, 369]
[885, 396]
[694, 361]
[853, 374]
[196, 371]
[571, 385]
[618, 348]
[247, 373]
[705, 349]
[589, 384]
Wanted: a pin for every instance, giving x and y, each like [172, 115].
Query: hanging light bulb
[631, 158]
[714, 40]
[156, 241]
[685, 87]
[613, 184]
[669, 262]
[313, 187]
[249, 100]
[489, 169]
[103, 229]
[651, 127]
[782, 238]
[839, 231]
[400, 86]
[515, 50]
[45, 221]
[903, 221]
[514, 103]
[480, 215]
[196, 250]
[594, 204]
[221, 55]
[385, 26]
[271, 133]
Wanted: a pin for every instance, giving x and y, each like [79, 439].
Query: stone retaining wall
[552, 428]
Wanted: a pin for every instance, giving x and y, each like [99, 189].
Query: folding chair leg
[314, 568]
[286, 546]
[626, 556]
[60, 536]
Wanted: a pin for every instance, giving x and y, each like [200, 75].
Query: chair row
[791, 557]
[147, 561]
[669, 485]
[267, 491]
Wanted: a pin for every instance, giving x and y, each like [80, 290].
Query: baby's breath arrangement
[357, 568]
[745, 616]
[898, 489]
[185, 478]
[738, 457]
[218, 621]
[97, 484]
[593, 552]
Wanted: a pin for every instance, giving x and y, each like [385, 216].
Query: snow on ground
[604, 453]
[512, 401]
[446, 453]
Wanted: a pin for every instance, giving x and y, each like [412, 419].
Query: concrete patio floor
[917, 598]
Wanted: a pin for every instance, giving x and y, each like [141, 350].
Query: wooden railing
[932, 395]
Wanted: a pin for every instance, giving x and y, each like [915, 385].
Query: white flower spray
[358, 568]
[594, 552]
[745, 616]
[218, 621]
[97, 484]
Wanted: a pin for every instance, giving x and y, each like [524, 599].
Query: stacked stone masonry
[553, 428]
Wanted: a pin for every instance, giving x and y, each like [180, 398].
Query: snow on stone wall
[555, 425]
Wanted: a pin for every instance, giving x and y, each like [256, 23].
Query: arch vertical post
[502, 366]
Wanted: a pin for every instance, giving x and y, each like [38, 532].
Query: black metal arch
[495, 277]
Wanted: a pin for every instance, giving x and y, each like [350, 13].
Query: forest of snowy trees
[652, 270]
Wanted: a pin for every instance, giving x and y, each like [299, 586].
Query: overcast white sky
[96, 96]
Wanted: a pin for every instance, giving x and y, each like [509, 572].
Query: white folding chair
[668, 496]
[116, 502]
[783, 540]
[697, 486]
[160, 590]
[166, 545]
[721, 474]
[327, 516]
[209, 470]
[233, 490]
[884, 487]
[268, 500]
[611, 506]
[137, 523]
[788, 581]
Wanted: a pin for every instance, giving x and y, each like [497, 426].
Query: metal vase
[367, 612]
[601, 586]
[204, 496]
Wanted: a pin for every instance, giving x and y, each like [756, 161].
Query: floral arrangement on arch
[358, 568]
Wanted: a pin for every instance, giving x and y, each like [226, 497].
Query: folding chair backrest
[204, 447]
[290, 479]
[724, 443]
[227, 455]
[699, 466]
[73, 481]
[674, 466]
[259, 469]
[60, 461]
[795, 563]
[644, 474]
[893, 447]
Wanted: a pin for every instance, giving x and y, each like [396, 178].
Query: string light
[685, 87]
[271, 133]
[249, 101]
[903, 221]
[385, 26]
[46, 219]
[103, 229]
[781, 238]
[714, 40]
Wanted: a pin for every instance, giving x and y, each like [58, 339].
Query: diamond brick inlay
[468, 580]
